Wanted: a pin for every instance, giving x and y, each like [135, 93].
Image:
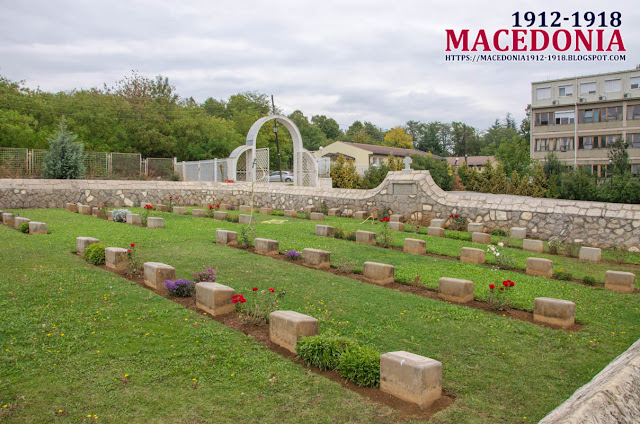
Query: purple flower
[292, 254]
[180, 287]
[206, 275]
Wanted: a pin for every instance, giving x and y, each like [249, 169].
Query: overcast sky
[377, 61]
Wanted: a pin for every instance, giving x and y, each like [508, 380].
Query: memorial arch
[246, 163]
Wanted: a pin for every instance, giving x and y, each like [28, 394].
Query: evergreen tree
[344, 174]
[65, 159]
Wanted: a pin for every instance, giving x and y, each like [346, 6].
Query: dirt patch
[403, 410]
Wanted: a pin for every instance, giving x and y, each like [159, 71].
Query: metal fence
[21, 163]
[212, 170]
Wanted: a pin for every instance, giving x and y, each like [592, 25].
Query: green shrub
[620, 253]
[94, 254]
[572, 250]
[246, 236]
[385, 236]
[341, 233]
[24, 227]
[360, 364]
[553, 245]
[498, 232]
[563, 275]
[589, 279]
[323, 351]
[277, 213]
[233, 218]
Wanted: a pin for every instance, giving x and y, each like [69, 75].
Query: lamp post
[275, 130]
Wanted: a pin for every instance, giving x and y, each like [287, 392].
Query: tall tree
[398, 137]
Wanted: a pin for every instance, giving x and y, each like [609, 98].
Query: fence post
[215, 170]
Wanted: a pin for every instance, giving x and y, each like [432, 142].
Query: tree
[619, 157]
[328, 126]
[398, 137]
[65, 159]
[312, 136]
[344, 174]
[437, 168]
[374, 176]
[465, 140]
[514, 155]
[432, 138]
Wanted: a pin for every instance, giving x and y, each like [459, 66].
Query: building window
[565, 144]
[588, 88]
[635, 83]
[543, 93]
[588, 115]
[612, 86]
[565, 90]
[608, 114]
[633, 112]
[610, 139]
[587, 168]
[635, 168]
[586, 143]
[541, 145]
[544, 119]
[633, 140]
[564, 118]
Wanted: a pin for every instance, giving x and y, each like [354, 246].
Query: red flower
[457, 216]
[501, 288]
[210, 207]
[218, 206]
[255, 289]
[492, 286]
[176, 198]
[451, 216]
[133, 245]
[511, 284]
[271, 290]
[170, 198]
[505, 283]
[417, 227]
[128, 250]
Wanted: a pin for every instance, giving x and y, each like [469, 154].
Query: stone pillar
[316, 258]
[214, 298]
[556, 312]
[455, 290]
[415, 246]
[83, 242]
[377, 273]
[115, 258]
[472, 255]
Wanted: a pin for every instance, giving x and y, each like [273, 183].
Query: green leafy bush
[341, 233]
[589, 279]
[385, 236]
[498, 232]
[360, 364]
[572, 250]
[24, 227]
[246, 236]
[561, 274]
[94, 254]
[553, 245]
[233, 218]
[323, 351]
[276, 212]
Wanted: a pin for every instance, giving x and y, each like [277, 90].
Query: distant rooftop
[637, 69]
[386, 150]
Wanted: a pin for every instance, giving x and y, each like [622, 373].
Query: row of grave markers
[132, 218]
[10, 220]
[557, 312]
[619, 281]
[407, 376]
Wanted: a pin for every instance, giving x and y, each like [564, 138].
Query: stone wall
[612, 396]
[413, 194]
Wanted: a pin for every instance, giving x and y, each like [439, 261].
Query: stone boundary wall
[414, 195]
[612, 396]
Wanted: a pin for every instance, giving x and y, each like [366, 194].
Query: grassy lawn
[71, 332]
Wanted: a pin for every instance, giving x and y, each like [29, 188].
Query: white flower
[501, 244]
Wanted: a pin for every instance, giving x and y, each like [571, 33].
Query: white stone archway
[305, 166]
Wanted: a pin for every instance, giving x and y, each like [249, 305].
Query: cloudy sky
[377, 61]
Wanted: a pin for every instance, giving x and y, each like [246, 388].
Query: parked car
[287, 176]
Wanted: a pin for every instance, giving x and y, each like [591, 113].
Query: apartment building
[578, 118]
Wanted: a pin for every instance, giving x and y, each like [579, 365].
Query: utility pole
[275, 130]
